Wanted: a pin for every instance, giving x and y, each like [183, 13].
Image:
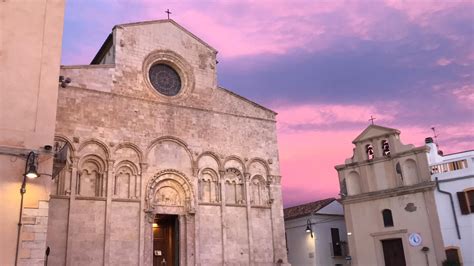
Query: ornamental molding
[169, 193]
[179, 64]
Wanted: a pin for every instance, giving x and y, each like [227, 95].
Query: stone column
[249, 216]
[147, 255]
[72, 198]
[108, 209]
[278, 226]
[223, 224]
[142, 221]
[195, 183]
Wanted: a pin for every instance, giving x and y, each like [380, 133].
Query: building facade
[389, 204]
[30, 53]
[157, 164]
[454, 177]
[316, 233]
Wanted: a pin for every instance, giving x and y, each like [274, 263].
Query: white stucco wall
[450, 182]
[304, 250]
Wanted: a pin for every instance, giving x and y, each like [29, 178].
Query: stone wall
[206, 155]
[33, 245]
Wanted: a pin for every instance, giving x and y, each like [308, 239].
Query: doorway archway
[170, 226]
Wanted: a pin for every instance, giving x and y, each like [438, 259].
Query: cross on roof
[372, 119]
[168, 12]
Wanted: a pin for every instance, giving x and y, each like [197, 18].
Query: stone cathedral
[158, 165]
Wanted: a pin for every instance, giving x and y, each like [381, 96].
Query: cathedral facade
[158, 165]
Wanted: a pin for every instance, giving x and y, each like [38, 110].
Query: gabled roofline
[103, 50]
[326, 202]
[390, 130]
[165, 21]
[247, 100]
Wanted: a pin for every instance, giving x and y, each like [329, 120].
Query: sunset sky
[324, 66]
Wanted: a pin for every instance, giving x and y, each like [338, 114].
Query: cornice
[388, 193]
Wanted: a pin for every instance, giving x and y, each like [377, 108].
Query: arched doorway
[169, 231]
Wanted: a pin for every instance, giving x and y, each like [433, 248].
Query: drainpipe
[452, 206]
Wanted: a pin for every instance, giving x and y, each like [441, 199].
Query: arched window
[258, 191]
[92, 178]
[369, 149]
[209, 187]
[387, 218]
[234, 187]
[385, 148]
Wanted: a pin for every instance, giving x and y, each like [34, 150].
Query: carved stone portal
[169, 190]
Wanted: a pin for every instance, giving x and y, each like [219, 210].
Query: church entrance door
[166, 240]
[393, 252]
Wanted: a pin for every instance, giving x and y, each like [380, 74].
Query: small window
[387, 218]
[452, 255]
[336, 242]
[470, 199]
[370, 151]
[466, 201]
[385, 148]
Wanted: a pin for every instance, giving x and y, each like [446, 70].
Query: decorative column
[109, 176]
[223, 224]
[249, 215]
[197, 235]
[72, 198]
[142, 222]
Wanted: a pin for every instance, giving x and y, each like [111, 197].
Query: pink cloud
[242, 28]
[324, 114]
[465, 96]
[308, 156]
[443, 61]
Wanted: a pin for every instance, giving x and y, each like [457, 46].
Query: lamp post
[30, 173]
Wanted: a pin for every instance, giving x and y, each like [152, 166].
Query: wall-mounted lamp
[31, 172]
[308, 228]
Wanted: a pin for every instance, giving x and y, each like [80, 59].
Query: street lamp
[31, 172]
[308, 227]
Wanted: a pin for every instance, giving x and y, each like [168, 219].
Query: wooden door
[393, 252]
[165, 241]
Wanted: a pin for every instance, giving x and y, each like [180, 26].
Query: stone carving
[169, 188]
[168, 196]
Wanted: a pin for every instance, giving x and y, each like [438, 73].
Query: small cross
[372, 119]
[168, 12]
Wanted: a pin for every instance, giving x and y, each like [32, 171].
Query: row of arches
[111, 153]
[235, 187]
[91, 163]
[406, 175]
